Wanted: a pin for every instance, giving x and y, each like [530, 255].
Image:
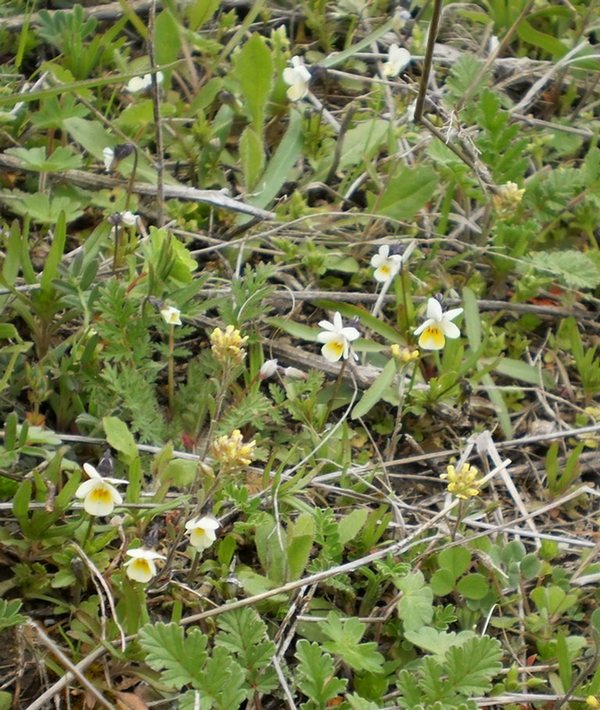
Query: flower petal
[434, 309]
[350, 333]
[450, 329]
[91, 471]
[432, 338]
[326, 325]
[85, 488]
[140, 570]
[334, 349]
[338, 324]
[424, 325]
[327, 337]
[452, 313]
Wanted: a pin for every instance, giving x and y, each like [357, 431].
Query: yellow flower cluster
[592, 701]
[228, 346]
[231, 452]
[507, 199]
[465, 483]
[403, 355]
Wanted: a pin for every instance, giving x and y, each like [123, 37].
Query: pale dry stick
[111, 602]
[535, 89]
[217, 198]
[370, 79]
[485, 446]
[494, 55]
[329, 117]
[283, 683]
[525, 699]
[559, 539]
[68, 665]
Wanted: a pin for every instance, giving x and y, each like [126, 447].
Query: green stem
[171, 369]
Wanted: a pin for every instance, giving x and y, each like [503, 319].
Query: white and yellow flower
[337, 339]
[129, 219]
[98, 494]
[398, 59]
[202, 531]
[386, 265]
[141, 567]
[297, 77]
[438, 326]
[171, 315]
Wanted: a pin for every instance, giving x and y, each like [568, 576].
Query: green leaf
[35, 159]
[519, 370]
[554, 600]
[244, 634]
[472, 318]
[350, 525]
[315, 674]
[55, 255]
[199, 12]
[179, 472]
[179, 657]
[455, 559]
[442, 582]
[473, 586]
[574, 268]
[362, 142]
[435, 641]
[376, 391]
[270, 540]
[297, 330]
[167, 40]
[222, 681]
[555, 48]
[252, 155]
[345, 635]
[415, 608]
[406, 192]
[253, 68]
[120, 438]
[301, 536]
[9, 613]
[472, 666]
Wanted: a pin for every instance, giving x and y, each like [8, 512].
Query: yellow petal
[333, 350]
[432, 338]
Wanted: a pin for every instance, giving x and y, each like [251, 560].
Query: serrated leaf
[345, 635]
[435, 641]
[472, 666]
[9, 613]
[574, 268]
[415, 608]
[179, 657]
[315, 674]
[376, 391]
[55, 255]
[243, 633]
[406, 193]
[222, 681]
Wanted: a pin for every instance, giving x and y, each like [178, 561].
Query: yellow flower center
[102, 495]
[142, 566]
[432, 338]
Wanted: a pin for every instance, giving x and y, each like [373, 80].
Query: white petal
[434, 309]
[289, 76]
[85, 488]
[377, 261]
[326, 325]
[452, 313]
[142, 553]
[206, 522]
[327, 337]
[450, 329]
[424, 325]
[297, 91]
[350, 333]
[91, 471]
[338, 324]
